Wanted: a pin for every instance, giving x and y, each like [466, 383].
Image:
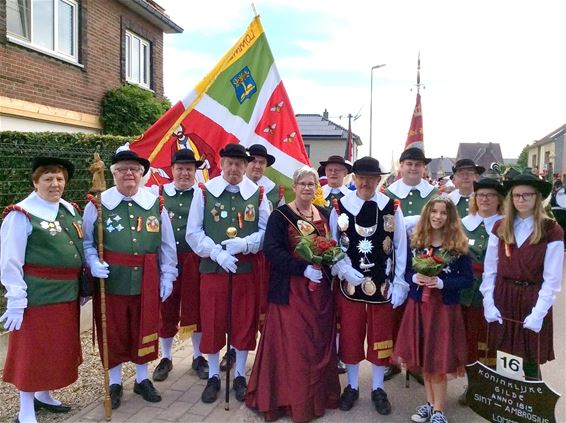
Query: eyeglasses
[124, 170]
[525, 196]
[486, 196]
[306, 184]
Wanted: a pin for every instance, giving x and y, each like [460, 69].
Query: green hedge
[17, 150]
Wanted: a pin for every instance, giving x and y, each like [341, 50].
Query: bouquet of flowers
[431, 263]
[319, 251]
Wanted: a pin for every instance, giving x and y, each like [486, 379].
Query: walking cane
[231, 233]
[98, 185]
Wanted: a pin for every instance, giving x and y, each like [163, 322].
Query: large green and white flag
[241, 100]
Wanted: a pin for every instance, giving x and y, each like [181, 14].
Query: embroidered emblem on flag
[244, 84]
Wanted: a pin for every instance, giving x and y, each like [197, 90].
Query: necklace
[304, 216]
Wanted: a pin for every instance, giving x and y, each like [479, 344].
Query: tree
[523, 160]
[129, 110]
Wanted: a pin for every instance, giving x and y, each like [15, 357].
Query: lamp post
[371, 106]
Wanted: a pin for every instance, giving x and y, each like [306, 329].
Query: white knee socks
[353, 370]
[115, 375]
[241, 357]
[141, 372]
[214, 365]
[378, 373]
[196, 344]
[27, 410]
[166, 344]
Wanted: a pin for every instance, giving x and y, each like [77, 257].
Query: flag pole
[253, 8]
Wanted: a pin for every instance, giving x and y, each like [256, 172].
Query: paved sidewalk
[181, 394]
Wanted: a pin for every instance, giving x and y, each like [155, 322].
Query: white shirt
[327, 190]
[197, 239]
[552, 273]
[472, 221]
[110, 199]
[14, 234]
[401, 189]
[455, 196]
[354, 204]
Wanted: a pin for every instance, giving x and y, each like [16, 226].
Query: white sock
[241, 357]
[27, 410]
[196, 344]
[141, 372]
[214, 365]
[352, 370]
[45, 397]
[115, 375]
[378, 372]
[166, 344]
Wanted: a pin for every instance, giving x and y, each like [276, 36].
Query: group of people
[169, 255]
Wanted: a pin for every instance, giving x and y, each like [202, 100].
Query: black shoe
[210, 393]
[162, 370]
[224, 362]
[200, 366]
[391, 372]
[61, 408]
[241, 387]
[379, 399]
[146, 389]
[417, 376]
[116, 395]
[341, 367]
[348, 398]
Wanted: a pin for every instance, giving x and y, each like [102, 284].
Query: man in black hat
[140, 265]
[465, 172]
[370, 230]
[412, 190]
[336, 168]
[225, 228]
[255, 171]
[181, 309]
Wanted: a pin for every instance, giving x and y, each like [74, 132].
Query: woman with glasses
[295, 372]
[523, 272]
[485, 209]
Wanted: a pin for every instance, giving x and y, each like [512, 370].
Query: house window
[50, 26]
[137, 60]
[535, 163]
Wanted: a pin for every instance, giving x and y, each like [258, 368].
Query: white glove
[313, 274]
[491, 313]
[99, 270]
[353, 276]
[227, 261]
[165, 288]
[236, 245]
[398, 294]
[12, 318]
[534, 321]
[215, 251]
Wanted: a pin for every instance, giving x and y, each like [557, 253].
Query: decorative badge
[389, 223]
[152, 224]
[79, 228]
[249, 214]
[171, 215]
[344, 242]
[215, 215]
[368, 286]
[223, 214]
[305, 227]
[387, 245]
[348, 287]
[52, 227]
[343, 222]
[385, 289]
[244, 84]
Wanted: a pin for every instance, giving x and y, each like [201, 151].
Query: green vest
[413, 203]
[54, 244]
[273, 198]
[330, 199]
[178, 208]
[130, 229]
[221, 213]
[472, 297]
[463, 206]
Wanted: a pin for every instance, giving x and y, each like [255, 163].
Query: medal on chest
[52, 227]
[113, 223]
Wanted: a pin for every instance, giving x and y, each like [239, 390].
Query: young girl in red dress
[432, 337]
[522, 274]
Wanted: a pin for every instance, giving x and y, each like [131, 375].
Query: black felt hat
[49, 161]
[260, 150]
[467, 164]
[338, 160]
[237, 151]
[367, 166]
[414, 154]
[490, 180]
[129, 155]
[185, 155]
[527, 178]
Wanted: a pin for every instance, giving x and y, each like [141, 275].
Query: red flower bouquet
[431, 263]
[319, 251]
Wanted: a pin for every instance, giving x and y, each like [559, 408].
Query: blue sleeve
[460, 275]
[409, 272]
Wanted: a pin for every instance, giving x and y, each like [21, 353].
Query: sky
[492, 71]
